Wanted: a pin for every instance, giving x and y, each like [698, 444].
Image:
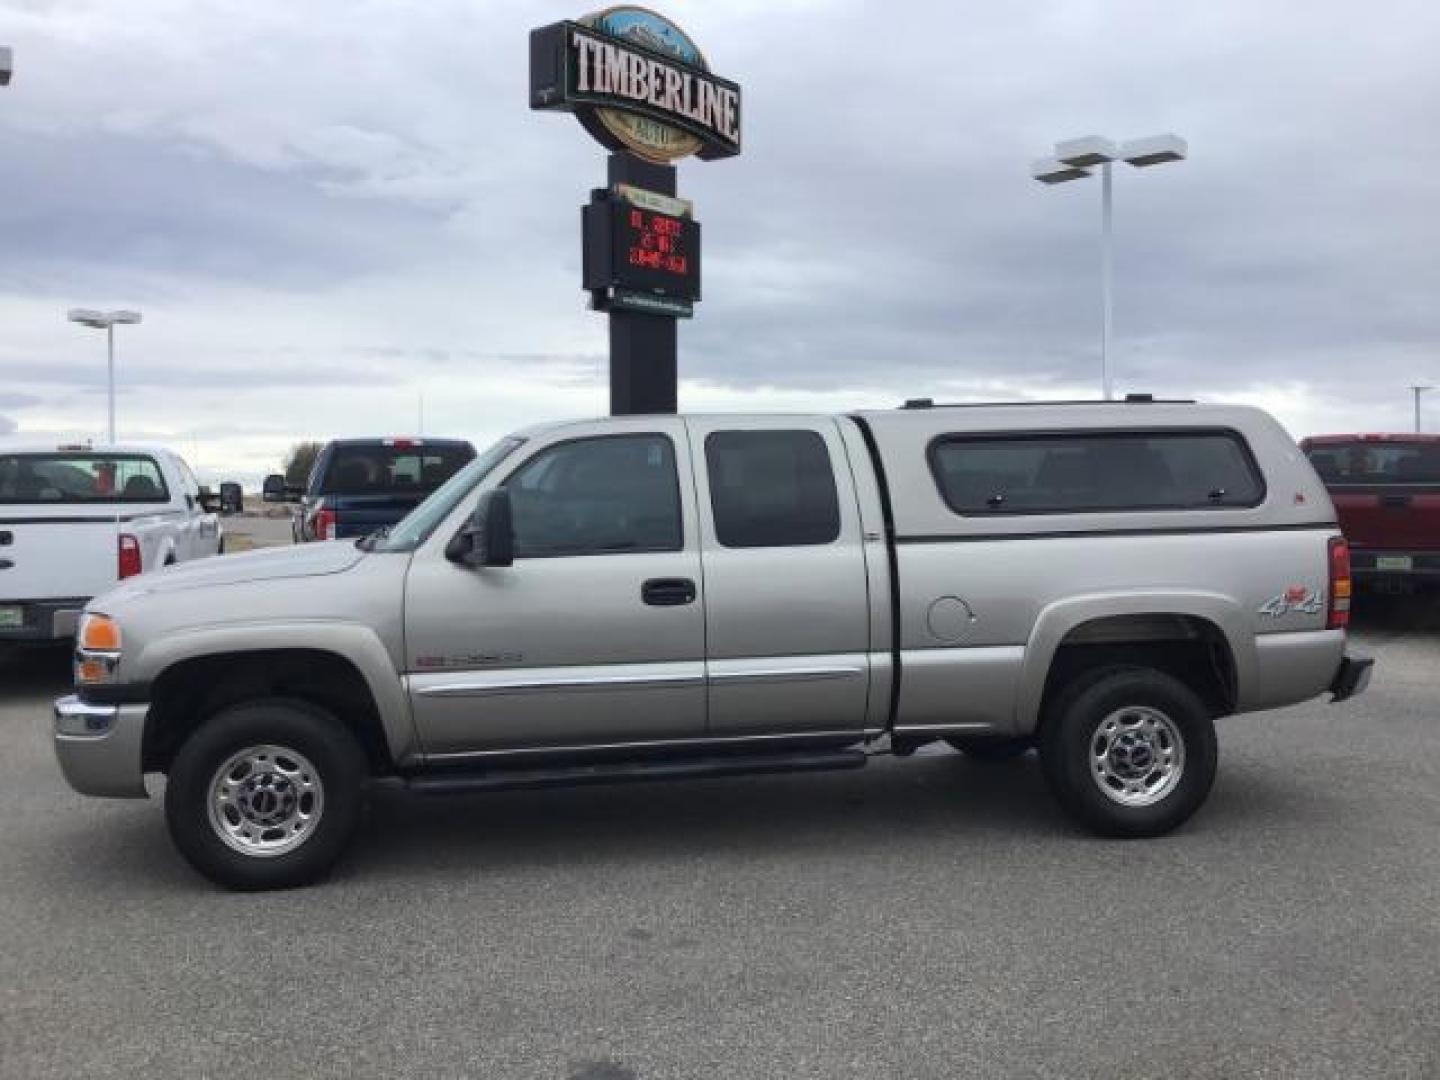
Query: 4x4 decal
[1297, 598]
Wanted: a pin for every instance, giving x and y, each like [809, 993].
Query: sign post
[642, 88]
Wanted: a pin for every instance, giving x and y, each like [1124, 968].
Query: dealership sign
[638, 84]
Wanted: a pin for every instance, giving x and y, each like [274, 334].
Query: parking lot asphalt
[925, 918]
[256, 530]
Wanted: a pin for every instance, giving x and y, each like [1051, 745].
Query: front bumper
[1352, 678]
[99, 747]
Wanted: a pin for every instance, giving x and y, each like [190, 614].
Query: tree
[299, 462]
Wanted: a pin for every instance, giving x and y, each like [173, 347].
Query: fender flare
[1058, 619]
[352, 642]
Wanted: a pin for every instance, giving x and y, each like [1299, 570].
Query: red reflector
[129, 556]
[1341, 585]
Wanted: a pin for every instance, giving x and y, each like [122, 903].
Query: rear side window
[386, 470]
[81, 478]
[1083, 472]
[771, 489]
[1361, 462]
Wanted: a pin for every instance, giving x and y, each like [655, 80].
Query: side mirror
[294, 493]
[232, 499]
[273, 490]
[488, 538]
[209, 501]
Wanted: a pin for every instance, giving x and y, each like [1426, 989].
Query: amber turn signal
[98, 633]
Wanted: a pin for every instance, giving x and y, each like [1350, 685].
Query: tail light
[1338, 616]
[129, 556]
[323, 522]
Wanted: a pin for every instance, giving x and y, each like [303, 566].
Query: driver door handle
[668, 591]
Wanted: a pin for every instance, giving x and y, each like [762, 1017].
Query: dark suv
[361, 485]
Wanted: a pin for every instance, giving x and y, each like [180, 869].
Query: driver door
[596, 634]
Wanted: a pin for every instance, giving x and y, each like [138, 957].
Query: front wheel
[265, 795]
[1129, 752]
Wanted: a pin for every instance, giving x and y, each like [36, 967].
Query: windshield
[1362, 462]
[421, 522]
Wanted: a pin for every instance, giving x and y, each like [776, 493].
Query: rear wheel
[266, 795]
[1129, 752]
[994, 749]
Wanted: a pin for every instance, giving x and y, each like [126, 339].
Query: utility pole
[1417, 391]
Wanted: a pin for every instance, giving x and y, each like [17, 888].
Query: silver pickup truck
[664, 596]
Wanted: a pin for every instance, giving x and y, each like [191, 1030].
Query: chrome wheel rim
[1137, 756]
[265, 800]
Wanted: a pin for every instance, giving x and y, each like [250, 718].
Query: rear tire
[993, 749]
[1129, 752]
[266, 795]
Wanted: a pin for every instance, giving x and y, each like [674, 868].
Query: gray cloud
[369, 194]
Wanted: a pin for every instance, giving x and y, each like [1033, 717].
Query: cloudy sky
[329, 210]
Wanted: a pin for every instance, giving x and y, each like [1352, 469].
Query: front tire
[266, 795]
[1129, 752]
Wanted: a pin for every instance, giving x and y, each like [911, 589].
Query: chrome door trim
[521, 681]
[775, 675]
[941, 729]
[723, 740]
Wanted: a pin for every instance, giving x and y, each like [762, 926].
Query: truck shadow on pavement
[35, 669]
[940, 806]
[1413, 615]
[962, 806]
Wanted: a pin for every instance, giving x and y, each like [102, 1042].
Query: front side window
[1095, 472]
[605, 495]
[81, 478]
[771, 489]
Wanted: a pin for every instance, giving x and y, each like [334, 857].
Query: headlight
[97, 650]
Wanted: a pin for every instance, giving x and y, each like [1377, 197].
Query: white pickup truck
[74, 520]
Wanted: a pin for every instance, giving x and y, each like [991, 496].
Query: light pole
[107, 321]
[1417, 391]
[7, 65]
[1074, 160]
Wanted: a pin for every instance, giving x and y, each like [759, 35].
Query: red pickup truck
[1386, 489]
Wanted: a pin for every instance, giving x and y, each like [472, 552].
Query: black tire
[316, 741]
[1079, 778]
[992, 749]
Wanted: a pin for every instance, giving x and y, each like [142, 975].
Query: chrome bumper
[1352, 678]
[98, 747]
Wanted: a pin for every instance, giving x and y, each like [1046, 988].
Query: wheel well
[190, 692]
[1192, 649]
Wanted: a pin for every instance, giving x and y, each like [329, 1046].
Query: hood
[267, 564]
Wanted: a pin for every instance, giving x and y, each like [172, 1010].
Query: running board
[620, 772]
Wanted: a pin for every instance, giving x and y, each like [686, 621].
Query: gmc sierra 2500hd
[670, 596]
